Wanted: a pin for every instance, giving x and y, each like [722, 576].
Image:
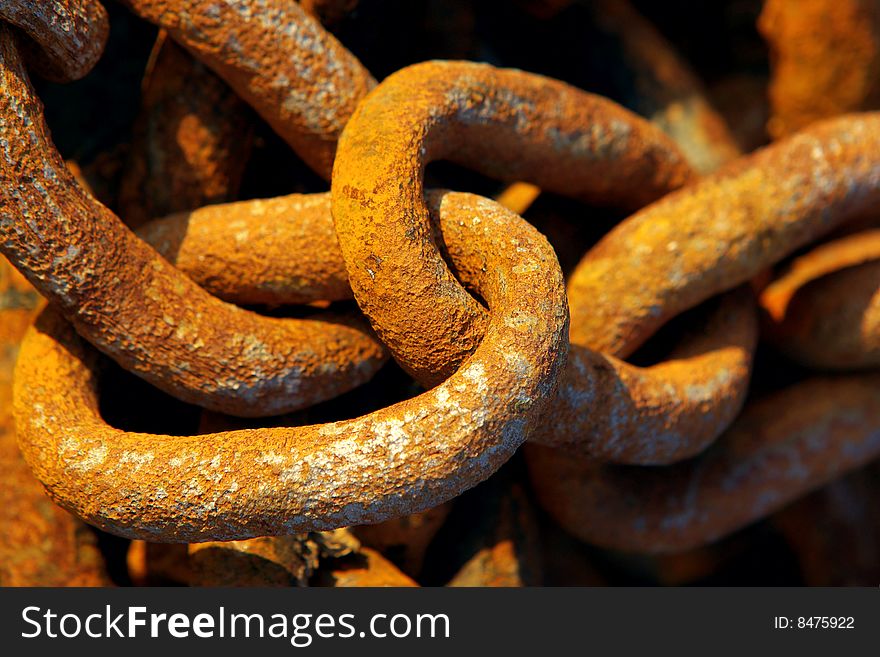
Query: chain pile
[717, 252]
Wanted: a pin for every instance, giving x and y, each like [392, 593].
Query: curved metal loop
[139, 309]
[723, 231]
[279, 59]
[825, 311]
[605, 408]
[609, 410]
[239, 484]
[780, 448]
[505, 123]
[67, 36]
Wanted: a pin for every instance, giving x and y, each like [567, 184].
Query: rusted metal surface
[402, 459]
[67, 36]
[826, 59]
[640, 450]
[192, 139]
[610, 410]
[825, 310]
[278, 561]
[779, 449]
[139, 309]
[722, 231]
[41, 544]
[605, 408]
[507, 124]
[667, 91]
[278, 58]
[273, 251]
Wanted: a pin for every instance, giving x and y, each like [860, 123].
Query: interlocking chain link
[467, 297]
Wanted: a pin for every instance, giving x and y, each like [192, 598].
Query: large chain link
[467, 297]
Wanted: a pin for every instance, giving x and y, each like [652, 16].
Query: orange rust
[156, 564]
[191, 140]
[238, 484]
[825, 311]
[365, 569]
[722, 231]
[279, 59]
[505, 123]
[278, 561]
[610, 410]
[430, 323]
[780, 448]
[605, 408]
[41, 544]
[825, 57]
[518, 197]
[138, 308]
[274, 251]
[668, 92]
[68, 36]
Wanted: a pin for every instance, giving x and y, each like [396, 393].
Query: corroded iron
[273, 251]
[722, 231]
[68, 36]
[825, 310]
[41, 544]
[467, 297]
[825, 55]
[239, 484]
[192, 139]
[781, 447]
[139, 309]
[605, 408]
[279, 59]
[507, 124]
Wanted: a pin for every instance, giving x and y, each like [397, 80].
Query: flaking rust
[762, 207]
[279, 59]
[68, 36]
[273, 251]
[507, 124]
[139, 309]
[466, 296]
[41, 544]
[240, 484]
[605, 408]
[780, 448]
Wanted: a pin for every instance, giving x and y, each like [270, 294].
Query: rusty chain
[465, 295]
